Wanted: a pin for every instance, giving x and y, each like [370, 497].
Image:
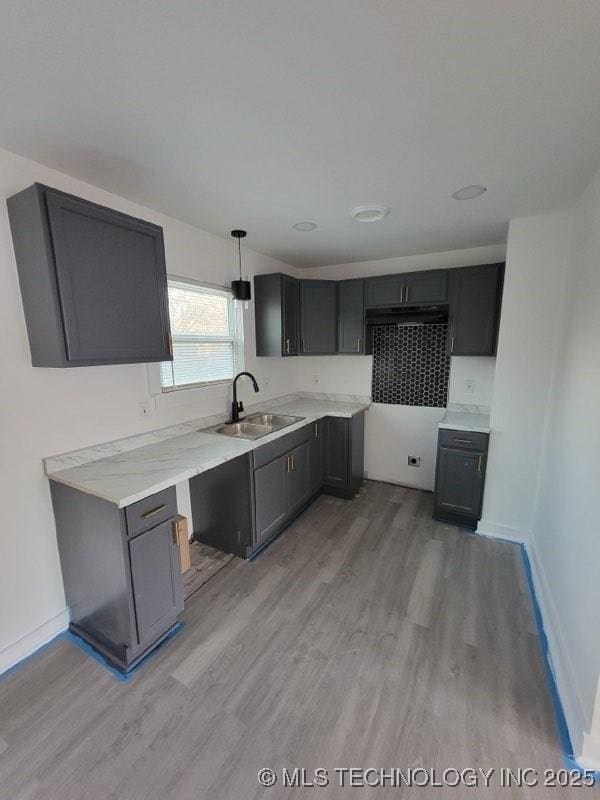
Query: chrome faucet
[235, 406]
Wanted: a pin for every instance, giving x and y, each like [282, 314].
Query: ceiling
[261, 113]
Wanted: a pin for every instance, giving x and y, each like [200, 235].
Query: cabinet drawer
[151, 511]
[269, 452]
[463, 440]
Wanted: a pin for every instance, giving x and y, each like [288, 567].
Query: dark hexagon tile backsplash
[411, 365]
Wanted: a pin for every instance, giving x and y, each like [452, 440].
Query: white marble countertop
[130, 475]
[466, 418]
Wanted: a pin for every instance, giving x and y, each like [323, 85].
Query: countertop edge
[62, 476]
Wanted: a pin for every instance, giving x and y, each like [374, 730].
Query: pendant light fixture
[241, 288]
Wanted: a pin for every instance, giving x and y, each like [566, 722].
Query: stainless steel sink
[256, 425]
[274, 420]
[244, 430]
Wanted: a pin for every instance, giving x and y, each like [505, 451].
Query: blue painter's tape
[120, 675]
[37, 652]
[569, 759]
[87, 648]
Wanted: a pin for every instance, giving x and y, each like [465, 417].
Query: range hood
[407, 315]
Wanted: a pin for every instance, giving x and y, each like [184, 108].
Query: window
[207, 336]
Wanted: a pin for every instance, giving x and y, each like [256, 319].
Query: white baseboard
[590, 753]
[558, 657]
[497, 531]
[31, 642]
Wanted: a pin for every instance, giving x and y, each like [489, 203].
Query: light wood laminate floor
[367, 635]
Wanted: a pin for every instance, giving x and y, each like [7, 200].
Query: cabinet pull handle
[402, 294]
[406, 295]
[287, 461]
[292, 457]
[170, 344]
[452, 344]
[175, 531]
[464, 441]
[316, 430]
[154, 511]
[479, 464]
[287, 345]
[303, 348]
[358, 345]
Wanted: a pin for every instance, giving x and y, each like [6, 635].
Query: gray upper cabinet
[387, 290]
[475, 309]
[430, 286]
[277, 314]
[426, 286]
[318, 317]
[93, 281]
[351, 337]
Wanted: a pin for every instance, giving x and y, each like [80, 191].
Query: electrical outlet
[145, 409]
[469, 385]
[315, 379]
[414, 461]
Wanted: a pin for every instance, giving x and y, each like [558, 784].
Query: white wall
[394, 432]
[384, 266]
[534, 292]
[49, 411]
[566, 527]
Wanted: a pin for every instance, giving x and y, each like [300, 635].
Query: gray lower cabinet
[221, 500]
[157, 590]
[292, 470]
[93, 281]
[298, 477]
[460, 477]
[475, 309]
[343, 455]
[318, 317]
[316, 461]
[351, 317]
[271, 498]
[121, 571]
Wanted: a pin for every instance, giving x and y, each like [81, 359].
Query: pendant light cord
[240, 256]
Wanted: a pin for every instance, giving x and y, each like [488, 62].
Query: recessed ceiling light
[369, 213]
[469, 192]
[304, 226]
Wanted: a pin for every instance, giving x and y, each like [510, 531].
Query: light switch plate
[469, 385]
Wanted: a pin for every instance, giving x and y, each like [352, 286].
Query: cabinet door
[157, 585]
[351, 317]
[459, 481]
[430, 286]
[270, 488]
[316, 457]
[112, 283]
[474, 310]
[387, 290]
[336, 452]
[290, 306]
[318, 317]
[298, 477]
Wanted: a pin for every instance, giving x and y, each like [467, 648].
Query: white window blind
[207, 336]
